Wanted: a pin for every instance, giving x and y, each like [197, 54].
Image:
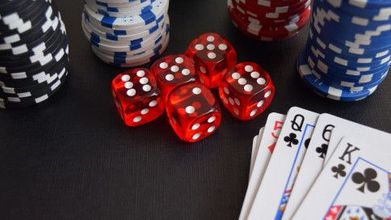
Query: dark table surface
[72, 157]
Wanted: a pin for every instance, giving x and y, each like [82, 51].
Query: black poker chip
[22, 80]
[15, 43]
[51, 46]
[24, 97]
[34, 52]
[13, 103]
[43, 87]
[28, 12]
[24, 52]
[40, 63]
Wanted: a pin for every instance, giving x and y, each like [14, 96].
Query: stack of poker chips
[127, 32]
[269, 20]
[347, 54]
[33, 52]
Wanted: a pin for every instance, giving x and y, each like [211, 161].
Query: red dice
[137, 97]
[180, 85]
[173, 71]
[247, 91]
[213, 56]
[193, 112]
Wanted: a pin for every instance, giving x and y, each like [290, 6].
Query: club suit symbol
[366, 180]
[322, 150]
[291, 139]
[339, 171]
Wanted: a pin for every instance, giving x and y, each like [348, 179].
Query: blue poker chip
[370, 37]
[361, 15]
[368, 8]
[126, 32]
[339, 80]
[373, 36]
[352, 40]
[332, 69]
[324, 89]
[348, 51]
[336, 51]
[362, 32]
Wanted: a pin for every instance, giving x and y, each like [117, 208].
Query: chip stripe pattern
[34, 52]
[269, 20]
[127, 33]
[347, 55]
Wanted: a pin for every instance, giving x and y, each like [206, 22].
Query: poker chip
[347, 55]
[127, 33]
[34, 51]
[269, 20]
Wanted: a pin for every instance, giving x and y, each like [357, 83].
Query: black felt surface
[72, 158]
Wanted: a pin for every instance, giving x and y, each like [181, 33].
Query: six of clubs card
[293, 157]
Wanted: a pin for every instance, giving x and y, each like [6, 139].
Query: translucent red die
[173, 71]
[213, 56]
[193, 112]
[137, 97]
[247, 91]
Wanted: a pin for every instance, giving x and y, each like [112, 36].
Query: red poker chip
[266, 21]
[271, 31]
[272, 15]
[271, 12]
[269, 20]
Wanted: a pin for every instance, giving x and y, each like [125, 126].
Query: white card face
[259, 139]
[345, 128]
[354, 184]
[312, 164]
[279, 178]
[254, 151]
[268, 140]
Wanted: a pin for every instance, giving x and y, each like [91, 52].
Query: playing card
[259, 139]
[255, 148]
[312, 163]
[273, 193]
[354, 184]
[345, 128]
[267, 142]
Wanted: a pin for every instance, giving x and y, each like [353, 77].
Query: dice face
[193, 112]
[214, 56]
[173, 71]
[137, 97]
[247, 91]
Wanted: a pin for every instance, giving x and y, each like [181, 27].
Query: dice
[173, 71]
[137, 97]
[246, 91]
[193, 112]
[213, 56]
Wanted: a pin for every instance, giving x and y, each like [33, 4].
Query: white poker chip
[126, 33]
